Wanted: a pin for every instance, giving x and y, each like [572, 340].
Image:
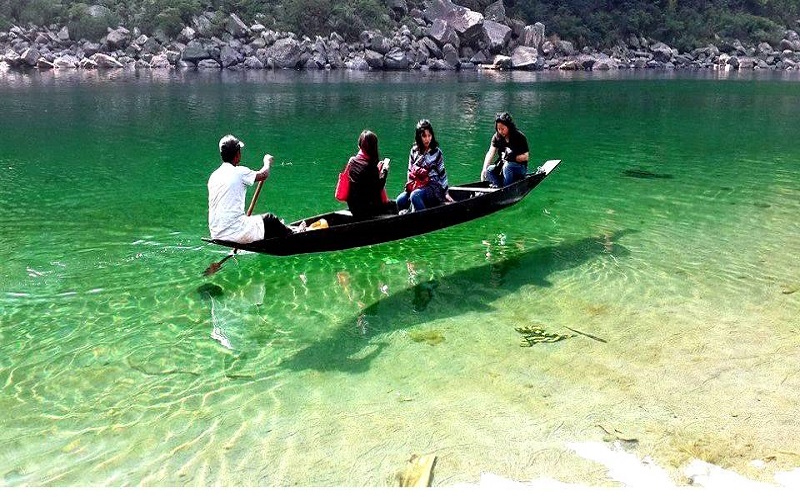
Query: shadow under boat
[352, 347]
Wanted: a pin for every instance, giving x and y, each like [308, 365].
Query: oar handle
[249, 212]
[255, 197]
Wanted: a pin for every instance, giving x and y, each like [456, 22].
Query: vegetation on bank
[596, 23]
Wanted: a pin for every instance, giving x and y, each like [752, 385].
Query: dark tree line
[596, 23]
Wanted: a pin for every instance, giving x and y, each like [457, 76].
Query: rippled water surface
[671, 232]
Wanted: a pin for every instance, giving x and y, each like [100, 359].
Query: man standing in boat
[227, 188]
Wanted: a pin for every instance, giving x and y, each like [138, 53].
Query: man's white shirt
[227, 188]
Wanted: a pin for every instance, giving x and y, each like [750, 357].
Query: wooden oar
[213, 268]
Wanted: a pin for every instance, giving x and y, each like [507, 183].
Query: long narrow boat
[344, 231]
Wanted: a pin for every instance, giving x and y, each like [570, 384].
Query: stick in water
[586, 334]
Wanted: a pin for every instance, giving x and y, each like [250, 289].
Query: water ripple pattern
[670, 232]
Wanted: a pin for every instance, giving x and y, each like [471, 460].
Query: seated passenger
[511, 147]
[427, 178]
[367, 194]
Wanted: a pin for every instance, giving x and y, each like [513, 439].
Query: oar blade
[213, 268]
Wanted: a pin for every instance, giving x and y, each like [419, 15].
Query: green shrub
[307, 17]
[348, 18]
[83, 25]
[747, 27]
[169, 21]
[39, 12]
[167, 15]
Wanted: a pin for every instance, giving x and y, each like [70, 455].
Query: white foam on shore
[642, 478]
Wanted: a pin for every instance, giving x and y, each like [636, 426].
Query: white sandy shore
[644, 479]
[637, 478]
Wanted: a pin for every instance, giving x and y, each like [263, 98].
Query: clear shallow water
[670, 230]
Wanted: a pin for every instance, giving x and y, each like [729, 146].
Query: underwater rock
[209, 290]
[645, 174]
[430, 337]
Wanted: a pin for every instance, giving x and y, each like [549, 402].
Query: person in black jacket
[367, 197]
[511, 147]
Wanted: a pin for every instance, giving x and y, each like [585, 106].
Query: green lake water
[671, 231]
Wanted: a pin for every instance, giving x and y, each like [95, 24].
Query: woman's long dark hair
[421, 126]
[506, 120]
[368, 143]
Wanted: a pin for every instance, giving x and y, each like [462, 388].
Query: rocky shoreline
[443, 37]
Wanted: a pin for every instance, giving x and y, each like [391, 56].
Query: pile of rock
[443, 36]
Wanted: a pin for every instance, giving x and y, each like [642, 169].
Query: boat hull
[473, 201]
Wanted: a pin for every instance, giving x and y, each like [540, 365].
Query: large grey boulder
[187, 34]
[495, 12]
[450, 55]
[565, 48]
[160, 61]
[396, 59]
[253, 62]
[285, 53]
[467, 23]
[321, 49]
[66, 61]
[228, 56]
[496, 36]
[105, 61]
[661, 52]
[525, 57]
[442, 33]
[63, 35]
[747, 63]
[208, 64]
[440, 65]
[502, 62]
[236, 27]
[480, 57]
[118, 38]
[202, 25]
[357, 63]
[532, 35]
[151, 46]
[790, 44]
[374, 59]
[374, 40]
[764, 49]
[90, 48]
[29, 57]
[431, 47]
[380, 44]
[43, 63]
[11, 57]
[195, 51]
[605, 63]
